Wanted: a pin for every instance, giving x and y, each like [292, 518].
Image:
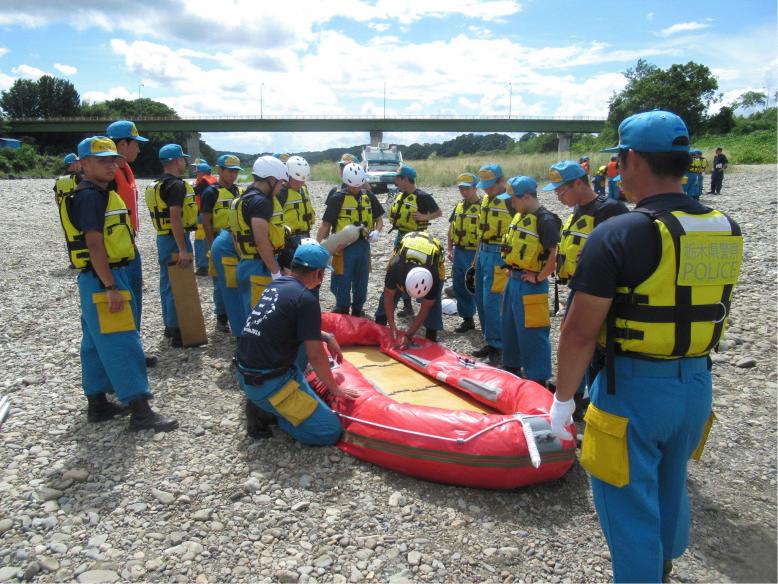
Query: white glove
[373, 236]
[561, 414]
[275, 275]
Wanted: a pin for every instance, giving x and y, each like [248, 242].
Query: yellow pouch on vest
[211, 267]
[499, 280]
[114, 322]
[200, 232]
[536, 312]
[292, 403]
[442, 271]
[230, 266]
[704, 438]
[337, 264]
[258, 285]
[604, 452]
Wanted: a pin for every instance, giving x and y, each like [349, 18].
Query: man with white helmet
[415, 268]
[352, 205]
[299, 215]
[256, 222]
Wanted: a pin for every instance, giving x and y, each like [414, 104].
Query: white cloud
[118, 92]
[4, 51]
[28, 72]
[65, 69]
[683, 27]
[379, 26]
[5, 81]
[650, 16]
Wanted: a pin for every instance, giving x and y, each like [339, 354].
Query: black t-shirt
[549, 226]
[286, 315]
[425, 202]
[210, 195]
[625, 250]
[87, 209]
[601, 208]
[257, 204]
[172, 190]
[720, 159]
[397, 271]
[335, 202]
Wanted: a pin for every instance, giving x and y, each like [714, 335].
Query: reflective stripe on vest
[464, 227]
[680, 310]
[356, 210]
[521, 245]
[494, 219]
[160, 212]
[299, 215]
[401, 213]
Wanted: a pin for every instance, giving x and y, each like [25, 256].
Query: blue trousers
[487, 303]
[356, 262]
[380, 313]
[230, 297]
[320, 428]
[613, 189]
[166, 247]
[667, 404]
[246, 269]
[135, 274]
[697, 185]
[689, 187]
[200, 248]
[463, 259]
[597, 185]
[112, 362]
[525, 348]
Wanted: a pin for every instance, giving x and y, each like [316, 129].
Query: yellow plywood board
[406, 385]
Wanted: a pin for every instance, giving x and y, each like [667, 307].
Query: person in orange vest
[127, 139]
[203, 179]
[612, 171]
[584, 162]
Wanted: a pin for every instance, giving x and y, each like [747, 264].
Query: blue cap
[654, 131]
[203, 166]
[122, 129]
[695, 151]
[228, 161]
[311, 255]
[97, 146]
[171, 152]
[467, 179]
[562, 172]
[406, 171]
[70, 159]
[518, 186]
[489, 174]
[617, 178]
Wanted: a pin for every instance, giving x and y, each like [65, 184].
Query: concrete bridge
[375, 125]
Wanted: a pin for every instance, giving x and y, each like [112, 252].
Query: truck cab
[381, 163]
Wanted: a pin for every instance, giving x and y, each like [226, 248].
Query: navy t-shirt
[625, 250]
[601, 208]
[210, 195]
[87, 211]
[548, 228]
[257, 204]
[335, 202]
[397, 271]
[172, 190]
[286, 315]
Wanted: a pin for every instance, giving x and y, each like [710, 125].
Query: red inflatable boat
[431, 413]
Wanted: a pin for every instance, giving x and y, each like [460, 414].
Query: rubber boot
[144, 418]
[100, 409]
[495, 357]
[431, 335]
[358, 312]
[257, 422]
[667, 567]
[222, 324]
[466, 325]
[482, 352]
[381, 320]
[168, 332]
[515, 370]
[175, 338]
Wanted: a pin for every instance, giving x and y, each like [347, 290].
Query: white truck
[381, 163]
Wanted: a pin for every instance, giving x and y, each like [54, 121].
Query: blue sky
[436, 57]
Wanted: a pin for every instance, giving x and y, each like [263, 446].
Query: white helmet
[298, 168]
[418, 282]
[353, 175]
[267, 166]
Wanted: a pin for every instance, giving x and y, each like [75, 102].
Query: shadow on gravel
[745, 552]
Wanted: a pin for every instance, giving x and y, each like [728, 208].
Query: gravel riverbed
[95, 503]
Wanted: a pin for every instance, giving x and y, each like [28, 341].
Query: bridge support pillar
[193, 146]
[564, 143]
[376, 137]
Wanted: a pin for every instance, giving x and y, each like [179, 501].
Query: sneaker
[482, 352]
[466, 325]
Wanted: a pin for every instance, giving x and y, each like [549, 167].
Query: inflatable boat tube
[433, 414]
[342, 239]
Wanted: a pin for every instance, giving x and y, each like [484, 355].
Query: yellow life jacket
[299, 215]
[680, 310]
[697, 165]
[160, 212]
[242, 232]
[118, 236]
[221, 209]
[356, 210]
[521, 248]
[603, 170]
[65, 186]
[403, 208]
[575, 231]
[465, 227]
[495, 216]
[420, 248]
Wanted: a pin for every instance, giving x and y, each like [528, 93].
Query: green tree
[687, 90]
[21, 99]
[48, 97]
[751, 99]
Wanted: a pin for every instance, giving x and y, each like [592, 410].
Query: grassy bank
[26, 162]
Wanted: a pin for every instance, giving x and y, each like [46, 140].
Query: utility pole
[261, 105]
[139, 86]
[510, 100]
[384, 99]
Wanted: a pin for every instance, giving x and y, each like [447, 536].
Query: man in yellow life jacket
[299, 215]
[346, 158]
[66, 184]
[257, 224]
[215, 202]
[463, 232]
[598, 181]
[412, 210]
[351, 266]
[203, 180]
[173, 210]
[495, 216]
[100, 243]
[652, 288]
[529, 251]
